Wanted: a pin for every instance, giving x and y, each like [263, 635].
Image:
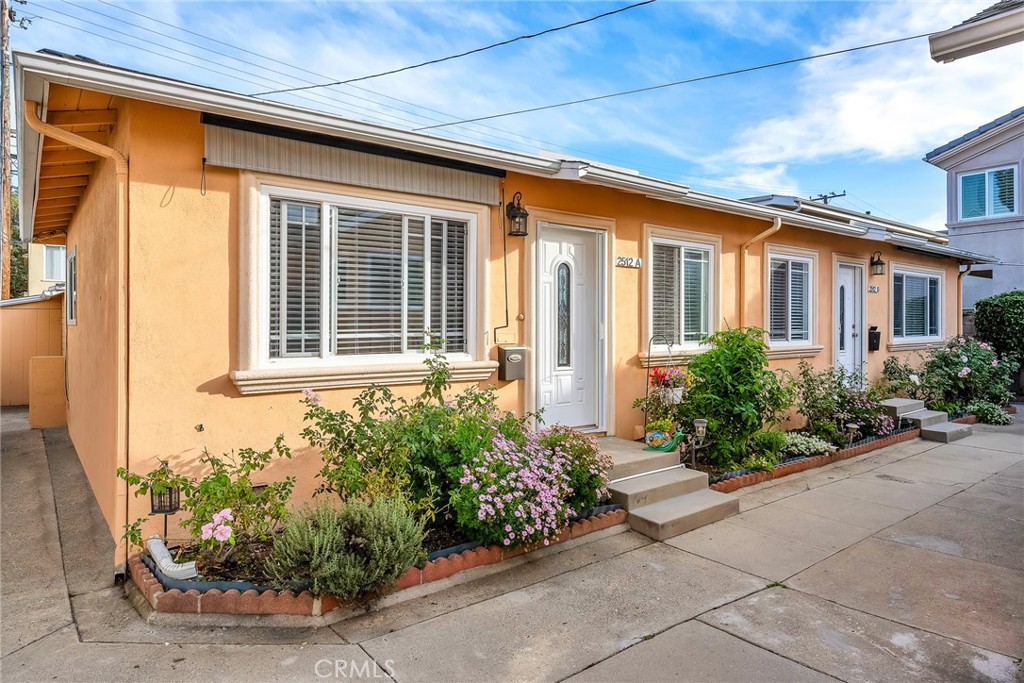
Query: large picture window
[350, 279]
[681, 291]
[789, 299]
[988, 193]
[916, 306]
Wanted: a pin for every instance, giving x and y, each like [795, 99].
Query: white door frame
[603, 229]
[860, 264]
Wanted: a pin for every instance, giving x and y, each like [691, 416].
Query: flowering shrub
[226, 486]
[587, 466]
[967, 370]
[832, 398]
[989, 413]
[798, 444]
[512, 493]
[999, 320]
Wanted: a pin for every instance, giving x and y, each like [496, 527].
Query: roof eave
[976, 37]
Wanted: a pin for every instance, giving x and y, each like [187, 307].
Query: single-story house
[226, 252]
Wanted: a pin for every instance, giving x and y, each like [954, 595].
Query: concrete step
[946, 432]
[896, 407]
[657, 486]
[668, 518]
[925, 418]
[629, 457]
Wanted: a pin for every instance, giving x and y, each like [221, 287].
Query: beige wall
[26, 330]
[37, 282]
[46, 398]
[183, 308]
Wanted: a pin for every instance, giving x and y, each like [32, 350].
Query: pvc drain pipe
[163, 560]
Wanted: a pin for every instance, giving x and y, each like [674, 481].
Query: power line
[467, 52]
[662, 86]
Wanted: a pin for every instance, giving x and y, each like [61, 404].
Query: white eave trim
[980, 36]
[740, 208]
[940, 250]
[620, 179]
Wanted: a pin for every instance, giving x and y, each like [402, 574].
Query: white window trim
[810, 257]
[677, 237]
[54, 279]
[988, 197]
[919, 271]
[71, 293]
[258, 373]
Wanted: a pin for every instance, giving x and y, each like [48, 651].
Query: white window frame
[916, 271]
[683, 239]
[64, 256]
[71, 290]
[988, 215]
[810, 257]
[326, 358]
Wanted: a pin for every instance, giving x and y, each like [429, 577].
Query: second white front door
[569, 339]
[849, 341]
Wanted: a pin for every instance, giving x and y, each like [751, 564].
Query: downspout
[121, 173]
[960, 299]
[776, 226]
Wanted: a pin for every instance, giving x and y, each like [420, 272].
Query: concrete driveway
[902, 565]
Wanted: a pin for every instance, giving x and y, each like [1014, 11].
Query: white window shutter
[665, 292]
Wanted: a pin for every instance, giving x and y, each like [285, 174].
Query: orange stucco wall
[27, 330]
[184, 304]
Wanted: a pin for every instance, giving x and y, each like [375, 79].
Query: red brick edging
[744, 480]
[307, 605]
[966, 420]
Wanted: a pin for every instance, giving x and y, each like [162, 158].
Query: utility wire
[466, 53]
[662, 86]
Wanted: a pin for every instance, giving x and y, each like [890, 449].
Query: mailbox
[511, 362]
[874, 338]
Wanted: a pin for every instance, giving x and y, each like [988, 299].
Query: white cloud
[884, 103]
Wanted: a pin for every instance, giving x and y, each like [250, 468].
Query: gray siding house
[983, 201]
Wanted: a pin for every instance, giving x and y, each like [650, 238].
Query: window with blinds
[680, 292]
[392, 281]
[915, 306]
[789, 312]
[54, 259]
[988, 193]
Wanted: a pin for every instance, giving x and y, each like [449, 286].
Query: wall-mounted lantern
[877, 264]
[166, 501]
[517, 216]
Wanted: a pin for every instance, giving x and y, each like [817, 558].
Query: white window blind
[680, 292]
[915, 306]
[389, 280]
[789, 314]
[53, 262]
[988, 193]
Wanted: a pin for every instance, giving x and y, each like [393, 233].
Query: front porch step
[925, 418]
[946, 432]
[656, 486]
[629, 457]
[898, 407]
[668, 518]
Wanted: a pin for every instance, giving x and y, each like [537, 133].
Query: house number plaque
[873, 289]
[627, 262]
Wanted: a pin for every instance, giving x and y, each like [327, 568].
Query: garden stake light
[165, 502]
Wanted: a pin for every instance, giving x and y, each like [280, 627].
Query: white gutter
[969, 39]
[629, 181]
[940, 250]
[741, 208]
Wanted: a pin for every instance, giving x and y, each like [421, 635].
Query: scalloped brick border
[730, 485]
[305, 604]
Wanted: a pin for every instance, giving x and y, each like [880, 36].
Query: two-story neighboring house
[983, 201]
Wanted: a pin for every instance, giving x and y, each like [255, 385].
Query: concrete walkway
[902, 565]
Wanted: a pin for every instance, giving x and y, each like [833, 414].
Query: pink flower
[995, 363]
[222, 533]
[223, 516]
[984, 346]
[208, 531]
[311, 396]
[963, 359]
[963, 372]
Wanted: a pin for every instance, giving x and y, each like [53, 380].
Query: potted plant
[670, 383]
[659, 432]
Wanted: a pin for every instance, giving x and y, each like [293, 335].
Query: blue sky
[858, 122]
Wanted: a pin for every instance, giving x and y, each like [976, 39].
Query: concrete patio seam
[939, 552]
[483, 600]
[44, 637]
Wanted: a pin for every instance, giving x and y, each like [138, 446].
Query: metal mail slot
[511, 362]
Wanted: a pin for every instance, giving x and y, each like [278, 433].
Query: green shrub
[999, 320]
[832, 398]
[349, 552]
[768, 442]
[761, 462]
[798, 444]
[904, 380]
[587, 466]
[662, 425]
[227, 483]
[966, 370]
[733, 389]
[989, 413]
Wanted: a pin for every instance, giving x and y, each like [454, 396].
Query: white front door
[849, 312]
[569, 386]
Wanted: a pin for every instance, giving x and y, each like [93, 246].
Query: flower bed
[740, 479]
[201, 597]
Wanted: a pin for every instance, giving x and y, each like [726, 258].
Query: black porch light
[165, 502]
[877, 264]
[517, 216]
